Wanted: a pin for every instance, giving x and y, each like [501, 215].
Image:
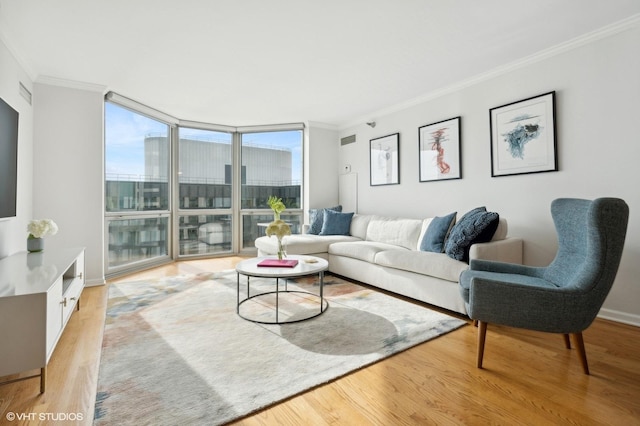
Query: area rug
[176, 352]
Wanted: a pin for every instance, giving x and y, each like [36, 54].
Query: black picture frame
[384, 160]
[439, 151]
[523, 136]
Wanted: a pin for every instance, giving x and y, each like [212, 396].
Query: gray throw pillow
[316, 218]
[433, 240]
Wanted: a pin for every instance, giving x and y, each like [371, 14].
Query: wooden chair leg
[579, 342]
[482, 333]
[567, 341]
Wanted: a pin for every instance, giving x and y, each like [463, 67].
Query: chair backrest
[591, 236]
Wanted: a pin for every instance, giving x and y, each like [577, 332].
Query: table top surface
[25, 273]
[307, 265]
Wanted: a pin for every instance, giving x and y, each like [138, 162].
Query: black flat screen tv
[8, 160]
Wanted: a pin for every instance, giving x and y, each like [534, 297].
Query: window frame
[174, 212]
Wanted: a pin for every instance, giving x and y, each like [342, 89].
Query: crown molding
[631, 22]
[321, 125]
[72, 84]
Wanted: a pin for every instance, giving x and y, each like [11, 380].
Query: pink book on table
[276, 263]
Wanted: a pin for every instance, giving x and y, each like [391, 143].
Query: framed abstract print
[439, 150]
[523, 136]
[384, 160]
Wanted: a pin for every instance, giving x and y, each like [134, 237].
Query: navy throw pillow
[336, 223]
[316, 218]
[476, 226]
[433, 239]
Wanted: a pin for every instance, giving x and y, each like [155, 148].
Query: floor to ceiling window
[272, 166]
[178, 191]
[137, 191]
[205, 178]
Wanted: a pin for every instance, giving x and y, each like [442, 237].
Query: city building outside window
[136, 183]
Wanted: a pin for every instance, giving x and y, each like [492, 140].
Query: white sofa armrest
[507, 250]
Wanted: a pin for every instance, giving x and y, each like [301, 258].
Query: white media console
[38, 292]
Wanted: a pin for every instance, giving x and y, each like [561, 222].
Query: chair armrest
[508, 250]
[503, 267]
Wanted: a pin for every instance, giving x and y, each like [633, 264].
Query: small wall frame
[439, 153]
[523, 136]
[384, 160]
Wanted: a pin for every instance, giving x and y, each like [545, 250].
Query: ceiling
[251, 62]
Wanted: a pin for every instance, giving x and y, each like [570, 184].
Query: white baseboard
[95, 282]
[623, 317]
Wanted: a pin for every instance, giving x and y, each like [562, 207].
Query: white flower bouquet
[39, 228]
[279, 228]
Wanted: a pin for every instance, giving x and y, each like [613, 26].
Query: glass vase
[281, 252]
[35, 245]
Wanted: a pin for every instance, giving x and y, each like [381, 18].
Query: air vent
[25, 93]
[347, 140]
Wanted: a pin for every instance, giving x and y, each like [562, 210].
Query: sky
[125, 132]
[124, 139]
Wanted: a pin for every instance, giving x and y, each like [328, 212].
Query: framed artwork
[439, 150]
[384, 160]
[523, 136]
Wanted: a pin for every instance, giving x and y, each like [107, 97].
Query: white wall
[13, 232]
[68, 170]
[320, 167]
[597, 111]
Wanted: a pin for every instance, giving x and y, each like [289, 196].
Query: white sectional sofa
[385, 252]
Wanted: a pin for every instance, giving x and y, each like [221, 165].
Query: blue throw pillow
[336, 223]
[476, 226]
[316, 218]
[436, 234]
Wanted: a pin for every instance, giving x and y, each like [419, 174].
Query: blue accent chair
[565, 296]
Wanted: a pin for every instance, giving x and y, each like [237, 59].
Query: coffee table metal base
[324, 304]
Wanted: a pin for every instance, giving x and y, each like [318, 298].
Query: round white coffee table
[307, 265]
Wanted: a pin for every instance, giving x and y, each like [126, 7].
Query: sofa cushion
[425, 226]
[336, 223]
[362, 250]
[316, 218]
[359, 225]
[301, 243]
[437, 265]
[439, 227]
[476, 226]
[393, 230]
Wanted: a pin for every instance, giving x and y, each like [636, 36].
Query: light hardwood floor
[529, 377]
